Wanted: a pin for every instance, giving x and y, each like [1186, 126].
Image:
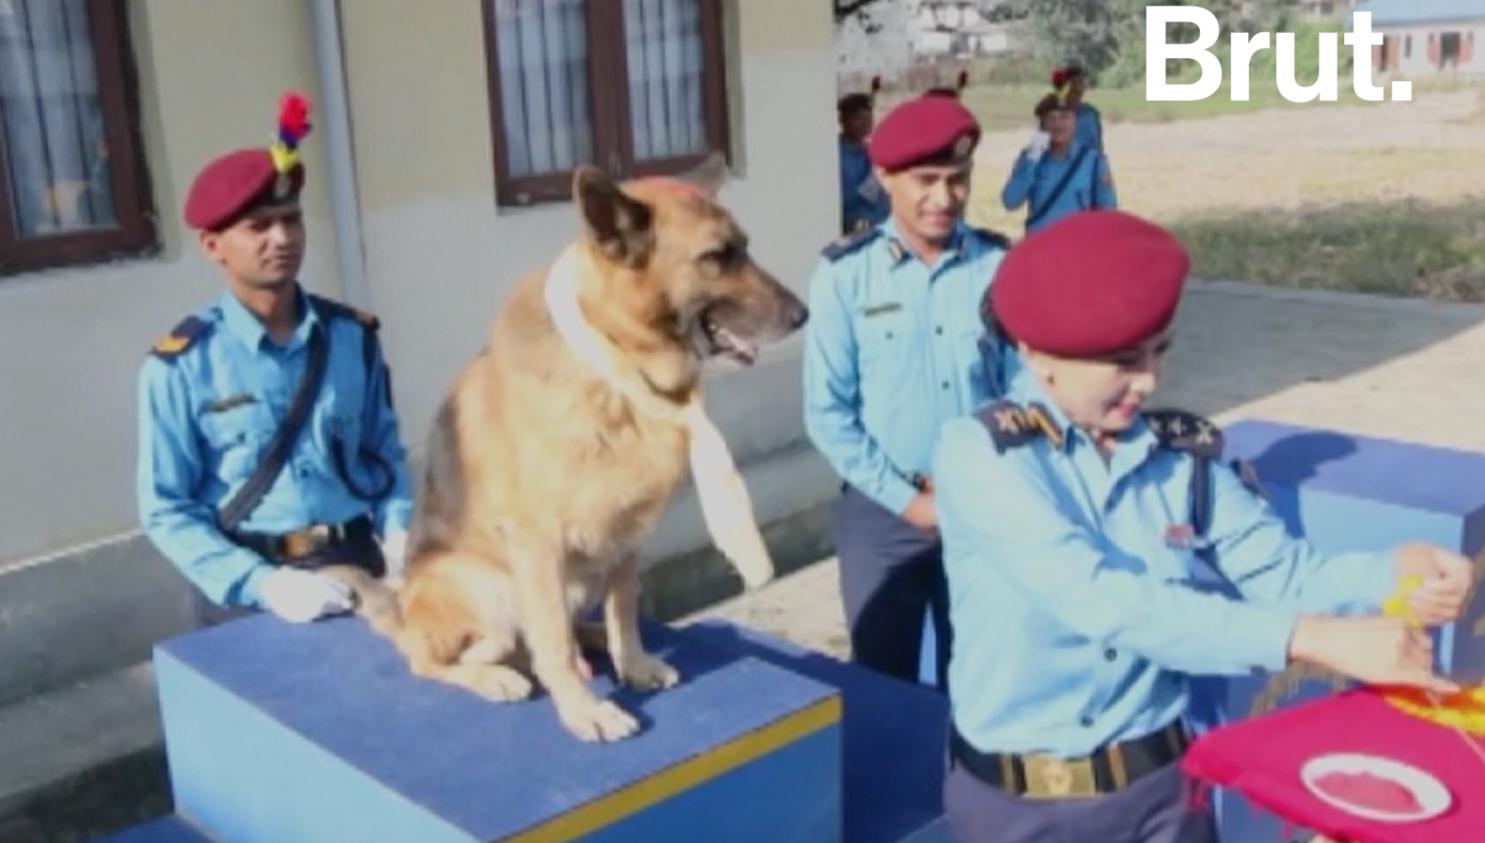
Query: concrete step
[83, 760]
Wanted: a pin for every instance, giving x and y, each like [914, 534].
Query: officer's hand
[1040, 142]
[1374, 650]
[394, 551]
[1441, 582]
[920, 512]
[302, 596]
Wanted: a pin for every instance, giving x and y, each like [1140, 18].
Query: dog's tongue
[738, 349]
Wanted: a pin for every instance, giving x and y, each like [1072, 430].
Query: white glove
[301, 596]
[394, 551]
[1040, 142]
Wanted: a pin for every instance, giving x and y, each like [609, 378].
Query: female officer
[1066, 514]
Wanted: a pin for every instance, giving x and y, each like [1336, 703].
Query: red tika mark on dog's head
[673, 185]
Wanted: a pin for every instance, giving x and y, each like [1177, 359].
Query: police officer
[863, 203]
[892, 350]
[267, 442]
[1072, 521]
[1072, 82]
[1056, 175]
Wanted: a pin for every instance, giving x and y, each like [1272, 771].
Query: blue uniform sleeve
[170, 470]
[394, 510]
[832, 398]
[1018, 187]
[1104, 196]
[1005, 509]
[1258, 555]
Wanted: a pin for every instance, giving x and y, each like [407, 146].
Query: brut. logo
[1245, 46]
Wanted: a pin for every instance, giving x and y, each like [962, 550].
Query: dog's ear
[620, 226]
[709, 175]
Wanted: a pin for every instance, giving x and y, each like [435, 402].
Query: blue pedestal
[1348, 493]
[319, 733]
[165, 830]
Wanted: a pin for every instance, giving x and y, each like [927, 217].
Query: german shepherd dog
[561, 444]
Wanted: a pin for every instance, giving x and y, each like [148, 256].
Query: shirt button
[1087, 722]
[889, 335]
[939, 330]
[946, 384]
[1111, 654]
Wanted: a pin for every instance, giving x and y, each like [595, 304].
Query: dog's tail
[376, 602]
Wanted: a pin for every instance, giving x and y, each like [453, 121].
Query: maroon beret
[929, 128]
[1090, 284]
[236, 182]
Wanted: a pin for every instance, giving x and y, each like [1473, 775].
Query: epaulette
[994, 238]
[1183, 431]
[333, 308]
[843, 246]
[180, 338]
[1012, 425]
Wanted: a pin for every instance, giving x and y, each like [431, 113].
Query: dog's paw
[597, 720]
[503, 684]
[647, 673]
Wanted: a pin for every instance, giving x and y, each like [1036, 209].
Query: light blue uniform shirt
[1089, 130]
[206, 416]
[1074, 621]
[1034, 183]
[893, 349]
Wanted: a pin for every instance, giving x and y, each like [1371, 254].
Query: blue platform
[287, 733]
[315, 733]
[1347, 493]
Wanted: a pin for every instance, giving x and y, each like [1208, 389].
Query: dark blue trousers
[1156, 808]
[891, 577]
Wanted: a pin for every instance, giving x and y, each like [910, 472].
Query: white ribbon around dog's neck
[725, 504]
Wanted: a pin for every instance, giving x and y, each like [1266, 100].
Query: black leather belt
[1108, 770]
[304, 544]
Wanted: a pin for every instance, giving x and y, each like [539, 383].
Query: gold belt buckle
[1048, 777]
[302, 543]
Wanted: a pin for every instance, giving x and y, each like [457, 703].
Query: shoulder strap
[369, 326]
[282, 443]
[1011, 426]
[992, 237]
[1036, 216]
[843, 246]
[1188, 432]
[180, 338]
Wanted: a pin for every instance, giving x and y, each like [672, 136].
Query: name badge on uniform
[230, 402]
[879, 309]
[1184, 537]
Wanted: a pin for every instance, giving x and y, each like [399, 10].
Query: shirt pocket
[883, 335]
[236, 437]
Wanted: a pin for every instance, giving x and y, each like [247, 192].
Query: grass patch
[1411, 248]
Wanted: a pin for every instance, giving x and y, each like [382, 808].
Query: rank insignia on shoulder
[1012, 425]
[1183, 431]
[843, 246]
[180, 338]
